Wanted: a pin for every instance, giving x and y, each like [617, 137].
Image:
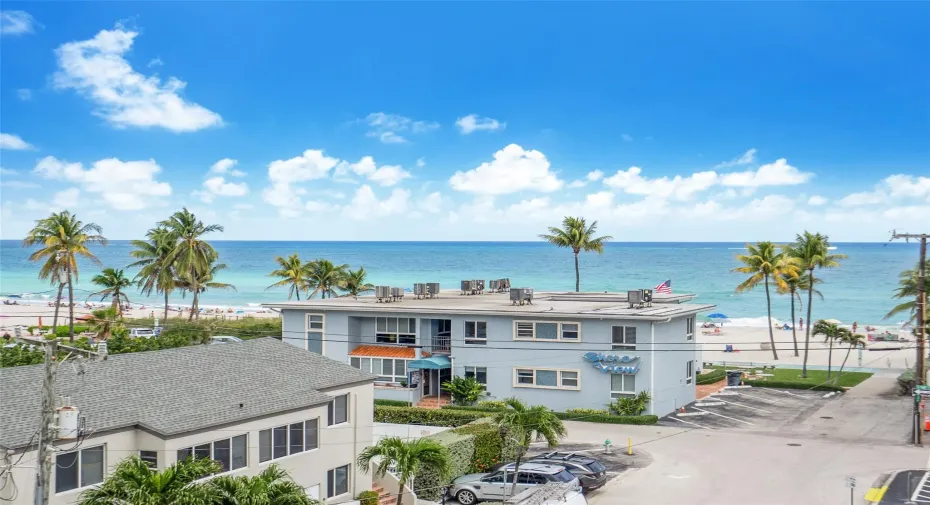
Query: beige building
[246, 405]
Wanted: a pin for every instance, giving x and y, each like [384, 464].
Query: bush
[368, 498]
[488, 445]
[492, 404]
[62, 331]
[907, 381]
[21, 354]
[791, 385]
[427, 484]
[428, 417]
[586, 412]
[566, 416]
[464, 390]
[392, 403]
[630, 406]
[711, 377]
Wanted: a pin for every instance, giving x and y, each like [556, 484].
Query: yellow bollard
[629, 446]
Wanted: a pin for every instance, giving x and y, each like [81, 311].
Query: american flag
[665, 288]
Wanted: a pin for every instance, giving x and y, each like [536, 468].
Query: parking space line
[747, 406]
[725, 417]
[760, 398]
[782, 392]
[689, 422]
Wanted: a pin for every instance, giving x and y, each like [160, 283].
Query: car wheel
[466, 497]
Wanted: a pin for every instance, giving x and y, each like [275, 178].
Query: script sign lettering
[613, 363]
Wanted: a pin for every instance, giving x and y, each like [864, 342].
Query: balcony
[441, 344]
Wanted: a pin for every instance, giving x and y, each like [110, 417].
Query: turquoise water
[858, 291]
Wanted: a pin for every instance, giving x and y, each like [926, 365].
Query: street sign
[850, 482]
[921, 387]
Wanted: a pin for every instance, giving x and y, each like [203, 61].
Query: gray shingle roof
[177, 390]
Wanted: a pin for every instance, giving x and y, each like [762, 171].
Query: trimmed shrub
[492, 404]
[586, 412]
[711, 377]
[427, 484]
[368, 498]
[488, 444]
[428, 417]
[791, 385]
[566, 416]
[392, 403]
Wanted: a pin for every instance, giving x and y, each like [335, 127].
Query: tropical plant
[529, 423]
[852, 340]
[907, 290]
[156, 274]
[204, 280]
[793, 287]
[765, 263]
[325, 278]
[811, 251]
[406, 458]
[104, 322]
[273, 486]
[293, 274]
[134, 481]
[464, 390]
[63, 237]
[114, 284]
[356, 283]
[192, 257]
[368, 497]
[630, 405]
[576, 235]
[831, 334]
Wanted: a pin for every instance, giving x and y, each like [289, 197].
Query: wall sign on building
[613, 363]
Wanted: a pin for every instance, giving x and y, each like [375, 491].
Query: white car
[141, 333]
[224, 339]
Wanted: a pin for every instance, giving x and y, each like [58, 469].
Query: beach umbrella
[833, 321]
[717, 315]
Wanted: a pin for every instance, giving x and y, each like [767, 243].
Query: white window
[689, 372]
[78, 469]
[315, 327]
[546, 378]
[689, 328]
[338, 410]
[150, 458]
[547, 331]
[292, 438]
[337, 481]
[388, 370]
[623, 337]
[480, 373]
[230, 453]
[396, 330]
[622, 385]
[476, 332]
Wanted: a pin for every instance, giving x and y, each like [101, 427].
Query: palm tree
[765, 263]
[114, 284]
[325, 277]
[577, 235]
[793, 287]
[407, 457]
[907, 289]
[812, 251]
[531, 423]
[191, 256]
[851, 340]
[273, 486]
[104, 321]
[356, 282]
[293, 275]
[831, 333]
[133, 481]
[204, 281]
[157, 274]
[57, 276]
[63, 238]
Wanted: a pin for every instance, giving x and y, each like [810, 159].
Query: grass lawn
[816, 377]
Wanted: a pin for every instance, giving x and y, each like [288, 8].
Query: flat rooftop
[562, 304]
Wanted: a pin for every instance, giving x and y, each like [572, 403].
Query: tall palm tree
[114, 283]
[205, 280]
[907, 289]
[407, 457]
[793, 287]
[273, 486]
[765, 263]
[191, 256]
[325, 277]
[104, 321]
[293, 274]
[63, 237]
[851, 340]
[812, 251]
[578, 236]
[57, 276]
[133, 481]
[356, 282]
[531, 423]
[831, 334]
[156, 274]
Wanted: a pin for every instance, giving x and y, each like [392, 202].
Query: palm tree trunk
[807, 331]
[400, 492]
[829, 357]
[577, 275]
[195, 289]
[794, 327]
[516, 471]
[61, 287]
[70, 306]
[848, 350]
[117, 306]
[297, 291]
[166, 306]
[768, 302]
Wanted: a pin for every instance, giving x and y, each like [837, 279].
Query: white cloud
[18, 184]
[472, 123]
[592, 176]
[432, 204]
[24, 94]
[513, 169]
[421, 162]
[626, 137]
[66, 199]
[631, 181]
[892, 189]
[224, 166]
[388, 127]
[123, 185]
[243, 206]
[779, 173]
[385, 175]
[16, 23]
[311, 165]
[14, 143]
[97, 69]
[218, 186]
[817, 200]
[365, 204]
[747, 158]
[8, 171]
[318, 206]
[155, 62]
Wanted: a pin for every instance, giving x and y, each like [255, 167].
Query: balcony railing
[441, 345]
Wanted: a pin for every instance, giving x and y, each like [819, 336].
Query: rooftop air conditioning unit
[479, 285]
[505, 284]
[419, 290]
[383, 293]
[397, 293]
[467, 287]
[647, 296]
[432, 288]
[521, 296]
[495, 285]
[639, 298]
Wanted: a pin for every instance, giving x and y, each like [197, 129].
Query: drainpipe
[652, 365]
[355, 444]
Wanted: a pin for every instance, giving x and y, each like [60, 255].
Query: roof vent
[383, 293]
[639, 298]
[521, 296]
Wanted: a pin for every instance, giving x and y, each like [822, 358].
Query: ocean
[860, 290]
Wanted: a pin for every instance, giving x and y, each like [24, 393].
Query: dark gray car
[590, 472]
[496, 485]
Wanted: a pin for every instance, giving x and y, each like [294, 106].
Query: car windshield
[596, 466]
[563, 476]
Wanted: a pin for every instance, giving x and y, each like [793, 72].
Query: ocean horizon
[860, 290]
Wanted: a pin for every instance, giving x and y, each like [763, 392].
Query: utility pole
[920, 331]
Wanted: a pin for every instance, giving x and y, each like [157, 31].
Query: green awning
[431, 363]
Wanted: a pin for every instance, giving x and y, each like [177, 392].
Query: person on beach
[855, 325]
[801, 323]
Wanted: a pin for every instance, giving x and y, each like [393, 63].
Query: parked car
[224, 339]
[590, 472]
[141, 333]
[494, 486]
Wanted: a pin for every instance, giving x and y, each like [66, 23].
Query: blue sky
[469, 121]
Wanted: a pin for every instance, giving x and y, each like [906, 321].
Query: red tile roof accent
[384, 351]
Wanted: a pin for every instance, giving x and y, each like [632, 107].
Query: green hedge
[429, 417]
[791, 385]
[426, 484]
[392, 403]
[716, 375]
[368, 497]
[488, 445]
[565, 416]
